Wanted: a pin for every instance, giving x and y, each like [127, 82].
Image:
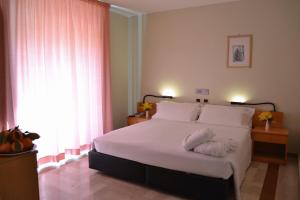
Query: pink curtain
[58, 62]
[6, 108]
[2, 73]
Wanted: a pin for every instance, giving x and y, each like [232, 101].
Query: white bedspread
[159, 143]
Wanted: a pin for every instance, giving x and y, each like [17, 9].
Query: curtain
[58, 83]
[2, 73]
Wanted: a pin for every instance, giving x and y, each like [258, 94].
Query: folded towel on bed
[216, 148]
[198, 137]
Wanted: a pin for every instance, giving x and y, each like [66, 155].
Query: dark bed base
[181, 183]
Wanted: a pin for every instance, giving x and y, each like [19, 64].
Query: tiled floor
[76, 181]
[253, 182]
[288, 181]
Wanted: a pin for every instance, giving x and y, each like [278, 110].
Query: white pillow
[177, 111]
[227, 115]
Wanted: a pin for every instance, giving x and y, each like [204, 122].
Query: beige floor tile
[288, 181]
[253, 182]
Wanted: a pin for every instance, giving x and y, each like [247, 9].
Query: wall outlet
[202, 91]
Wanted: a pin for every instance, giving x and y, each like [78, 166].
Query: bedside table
[270, 145]
[134, 120]
[19, 177]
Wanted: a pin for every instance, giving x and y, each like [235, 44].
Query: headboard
[277, 119]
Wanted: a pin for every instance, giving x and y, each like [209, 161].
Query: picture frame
[239, 51]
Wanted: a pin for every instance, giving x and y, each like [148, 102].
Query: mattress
[159, 143]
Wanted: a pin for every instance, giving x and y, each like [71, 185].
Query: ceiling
[150, 6]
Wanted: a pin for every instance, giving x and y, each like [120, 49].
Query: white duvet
[159, 143]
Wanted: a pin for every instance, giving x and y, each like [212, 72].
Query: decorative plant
[147, 106]
[14, 140]
[265, 116]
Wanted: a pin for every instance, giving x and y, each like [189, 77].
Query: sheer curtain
[58, 60]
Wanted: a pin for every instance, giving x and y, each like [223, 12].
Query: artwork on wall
[239, 53]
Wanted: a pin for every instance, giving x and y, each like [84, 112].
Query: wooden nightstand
[270, 146]
[19, 177]
[134, 120]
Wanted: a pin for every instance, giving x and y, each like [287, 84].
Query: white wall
[125, 66]
[119, 64]
[186, 49]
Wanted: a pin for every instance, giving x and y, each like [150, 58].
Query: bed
[151, 153]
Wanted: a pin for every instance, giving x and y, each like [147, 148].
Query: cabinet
[19, 177]
[270, 145]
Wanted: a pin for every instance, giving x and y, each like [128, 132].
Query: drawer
[135, 120]
[262, 137]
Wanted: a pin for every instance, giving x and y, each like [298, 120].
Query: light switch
[202, 91]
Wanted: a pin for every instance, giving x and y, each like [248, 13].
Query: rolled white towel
[217, 148]
[198, 137]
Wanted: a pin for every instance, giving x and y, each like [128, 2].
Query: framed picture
[239, 53]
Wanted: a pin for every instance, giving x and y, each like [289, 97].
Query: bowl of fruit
[14, 141]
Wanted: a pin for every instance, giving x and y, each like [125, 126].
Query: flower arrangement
[147, 106]
[264, 116]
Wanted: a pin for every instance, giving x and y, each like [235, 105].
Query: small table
[134, 120]
[19, 177]
[270, 145]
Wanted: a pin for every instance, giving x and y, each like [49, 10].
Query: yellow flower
[147, 106]
[265, 116]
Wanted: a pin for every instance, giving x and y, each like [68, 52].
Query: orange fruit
[5, 148]
[27, 143]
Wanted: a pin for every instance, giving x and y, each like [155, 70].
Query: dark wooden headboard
[277, 117]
